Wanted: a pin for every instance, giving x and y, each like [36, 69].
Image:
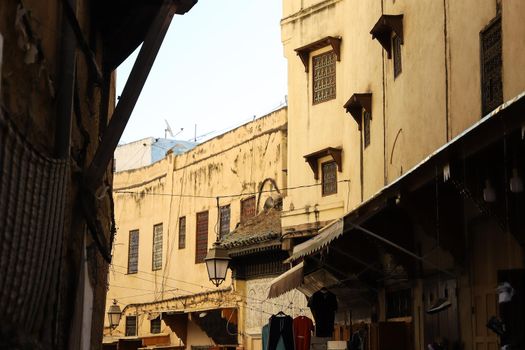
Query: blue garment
[265, 335]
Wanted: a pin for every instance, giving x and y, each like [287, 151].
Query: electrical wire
[221, 196]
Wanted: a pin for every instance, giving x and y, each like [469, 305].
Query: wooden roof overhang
[383, 29]
[356, 104]
[313, 159]
[304, 51]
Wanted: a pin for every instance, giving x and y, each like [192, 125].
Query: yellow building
[405, 125]
[167, 218]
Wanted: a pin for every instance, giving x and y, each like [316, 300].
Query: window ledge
[383, 29]
[304, 51]
[356, 104]
[313, 158]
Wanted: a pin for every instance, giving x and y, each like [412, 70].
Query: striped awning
[287, 281]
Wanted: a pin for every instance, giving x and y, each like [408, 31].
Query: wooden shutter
[156, 263]
[201, 237]
[491, 81]
[329, 178]
[225, 220]
[247, 208]
[133, 251]
[182, 232]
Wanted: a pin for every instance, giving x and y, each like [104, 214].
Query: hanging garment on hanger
[302, 330]
[280, 331]
[323, 305]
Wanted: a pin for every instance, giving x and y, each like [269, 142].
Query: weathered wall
[231, 166]
[30, 97]
[434, 99]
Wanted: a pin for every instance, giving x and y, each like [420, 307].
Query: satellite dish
[167, 130]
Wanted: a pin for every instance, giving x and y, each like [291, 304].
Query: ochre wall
[232, 165]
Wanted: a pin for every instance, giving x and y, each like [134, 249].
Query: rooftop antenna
[167, 130]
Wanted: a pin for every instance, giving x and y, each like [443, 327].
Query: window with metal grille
[398, 303]
[131, 326]
[323, 67]
[133, 251]
[201, 246]
[224, 220]
[329, 170]
[366, 128]
[247, 208]
[182, 232]
[491, 80]
[156, 263]
[396, 45]
[155, 325]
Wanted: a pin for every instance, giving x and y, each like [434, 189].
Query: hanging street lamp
[217, 261]
[114, 315]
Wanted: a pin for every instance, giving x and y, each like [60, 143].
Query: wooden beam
[130, 94]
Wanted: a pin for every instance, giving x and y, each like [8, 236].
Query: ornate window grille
[323, 77]
[366, 128]
[329, 170]
[491, 80]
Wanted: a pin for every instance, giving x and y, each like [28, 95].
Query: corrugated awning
[326, 235]
[289, 280]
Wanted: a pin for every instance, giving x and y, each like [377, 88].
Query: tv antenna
[168, 130]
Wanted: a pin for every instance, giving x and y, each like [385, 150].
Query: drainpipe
[66, 88]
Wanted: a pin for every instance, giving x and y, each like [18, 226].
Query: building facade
[170, 213]
[405, 128]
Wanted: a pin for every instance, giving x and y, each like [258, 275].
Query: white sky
[220, 65]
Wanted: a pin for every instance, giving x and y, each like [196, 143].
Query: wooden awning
[383, 29]
[304, 51]
[313, 158]
[287, 281]
[356, 104]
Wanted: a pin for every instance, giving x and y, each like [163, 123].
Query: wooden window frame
[323, 183]
[201, 244]
[155, 328]
[136, 267]
[224, 228]
[182, 233]
[129, 326]
[488, 86]
[154, 251]
[244, 202]
[366, 128]
[397, 56]
[315, 78]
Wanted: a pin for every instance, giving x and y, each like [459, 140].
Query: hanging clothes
[302, 330]
[280, 332]
[323, 305]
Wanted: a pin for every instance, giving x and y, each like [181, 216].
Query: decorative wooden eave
[383, 29]
[313, 159]
[356, 104]
[304, 51]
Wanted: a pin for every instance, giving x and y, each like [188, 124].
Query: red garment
[302, 330]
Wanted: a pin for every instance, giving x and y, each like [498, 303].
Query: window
[155, 325]
[398, 303]
[131, 326]
[323, 77]
[329, 170]
[491, 81]
[133, 251]
[182, 232]
[225, 220]
[157, 248]
[396, 43]
[247, 208]
[201, 246]
[366, 128]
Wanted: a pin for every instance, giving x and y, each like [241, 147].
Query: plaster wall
[231, 166]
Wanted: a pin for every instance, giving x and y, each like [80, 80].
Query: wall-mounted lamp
[516, 183]
[114, 315]
[489, 195]
[217, 261]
